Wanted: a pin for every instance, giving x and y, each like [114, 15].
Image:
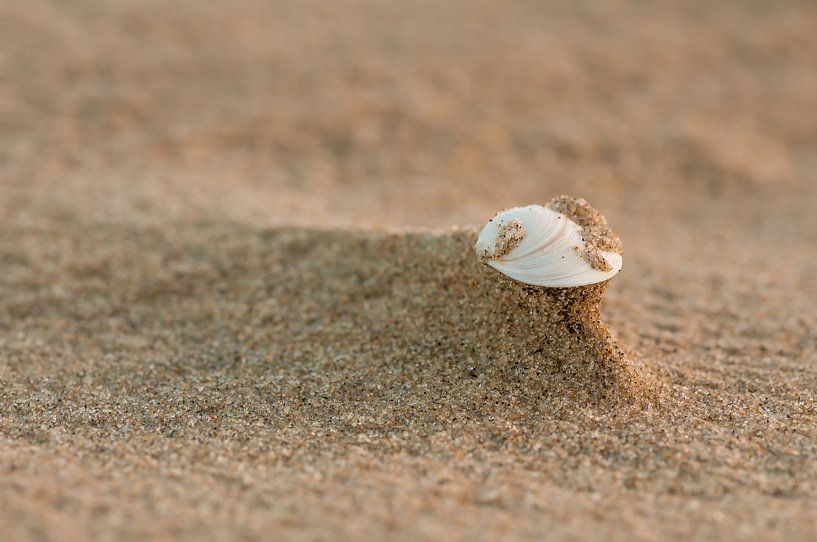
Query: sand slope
[227, 380]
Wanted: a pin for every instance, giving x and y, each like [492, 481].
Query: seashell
[564, 244]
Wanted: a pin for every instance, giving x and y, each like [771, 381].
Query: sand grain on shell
[596, 234]
[508, 236]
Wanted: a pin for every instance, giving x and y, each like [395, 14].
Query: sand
[239, 299]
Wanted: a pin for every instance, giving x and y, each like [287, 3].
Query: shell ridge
[542, 245]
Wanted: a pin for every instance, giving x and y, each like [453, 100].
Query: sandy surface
[234, 307]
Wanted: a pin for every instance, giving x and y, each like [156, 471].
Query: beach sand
[240, 299]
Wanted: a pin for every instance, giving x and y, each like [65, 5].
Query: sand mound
[418, 309]
[437, 301]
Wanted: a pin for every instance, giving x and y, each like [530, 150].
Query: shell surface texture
[564, 244]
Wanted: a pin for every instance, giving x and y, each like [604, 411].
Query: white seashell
[537, 245]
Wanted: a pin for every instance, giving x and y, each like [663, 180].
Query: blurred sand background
[214, 324]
